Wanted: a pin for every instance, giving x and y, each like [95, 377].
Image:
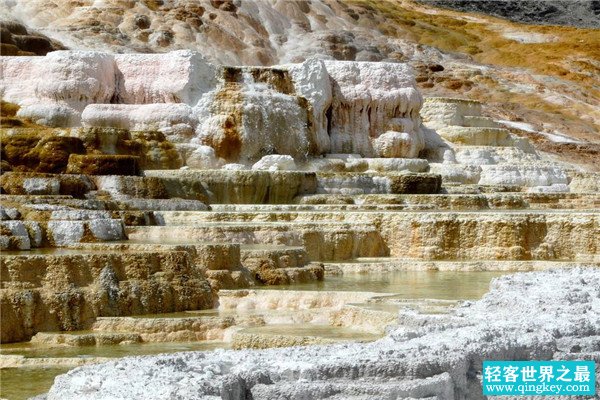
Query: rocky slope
[117, 114]
[581, 13]
[546, 76]
[543, 316]
[143, 173]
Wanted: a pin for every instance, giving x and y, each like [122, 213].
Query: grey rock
[580, 13]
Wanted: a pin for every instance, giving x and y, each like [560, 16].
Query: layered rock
[429, 355]
[466, 147]
[68, 292]
[243, 113]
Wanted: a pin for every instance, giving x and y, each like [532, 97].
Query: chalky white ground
[542, 315]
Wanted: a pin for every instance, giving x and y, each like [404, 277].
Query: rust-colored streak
[228, 103]
[278, 79]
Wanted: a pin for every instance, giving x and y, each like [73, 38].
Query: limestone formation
[67, 292]
[366, 98]
[242, 113]
[473, 149]
[165, 197]
[535, 316]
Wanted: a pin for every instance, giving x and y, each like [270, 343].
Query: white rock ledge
[542, 315]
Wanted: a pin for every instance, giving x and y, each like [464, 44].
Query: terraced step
[378, 183]
[387, 264]
[223, 326]
[158, 204]
[47, 292]
[226, 186]
[260, 300]
[441, 235]
[271, 336]
[523, 176]
[84, 338]
[14, 363]
[356, 163]
[279, 256]
[58, 199]
[332, 241]
[303, 219]
[436, 202]
[264, 272]
[206, 256]
[228, 265]
[80, 268]
[184, 327]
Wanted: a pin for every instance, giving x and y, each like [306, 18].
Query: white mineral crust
[539, 316]
[312, 108]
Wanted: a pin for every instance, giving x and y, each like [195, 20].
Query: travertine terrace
[166, 198]
[428, 356]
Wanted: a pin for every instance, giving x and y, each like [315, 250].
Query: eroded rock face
[538, 315]
[68, 292]
[243, 113]
[17, 40]
[366, 96]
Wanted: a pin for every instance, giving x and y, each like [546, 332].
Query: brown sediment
[54, 153]
[72, 185]
[29, 147]
[142, 144]
[232, 74]
[8, 109]
[421, 183]
[16, 40]
[228, 103]
[103, 164]
[39, 152]
[279, 79]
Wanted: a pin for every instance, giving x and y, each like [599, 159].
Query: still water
[407, 284]
[22, 383]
